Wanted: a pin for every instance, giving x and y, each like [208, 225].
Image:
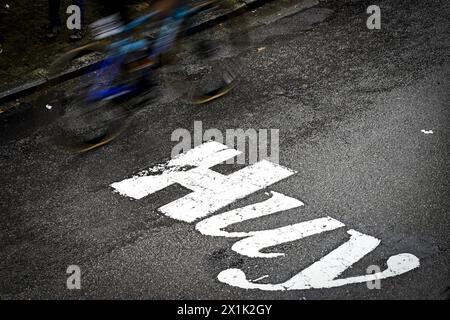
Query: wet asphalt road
[350, 104]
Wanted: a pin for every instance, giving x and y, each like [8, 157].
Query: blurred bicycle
[97, 105]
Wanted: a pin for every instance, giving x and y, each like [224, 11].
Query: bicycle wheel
[208, 60]
[84, 123]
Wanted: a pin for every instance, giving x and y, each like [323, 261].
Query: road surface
[363, 120]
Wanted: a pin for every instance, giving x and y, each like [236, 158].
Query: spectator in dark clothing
[54, 18]
[2, 40]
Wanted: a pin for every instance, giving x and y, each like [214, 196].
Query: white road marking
[161, 176]
[259, 240]
[322, 273]
[427, 131]
[213, 226]
[213, 191]
[220, 190]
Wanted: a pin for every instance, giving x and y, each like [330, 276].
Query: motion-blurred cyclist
[136, 64]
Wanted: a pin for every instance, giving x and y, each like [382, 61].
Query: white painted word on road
[212, 191]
